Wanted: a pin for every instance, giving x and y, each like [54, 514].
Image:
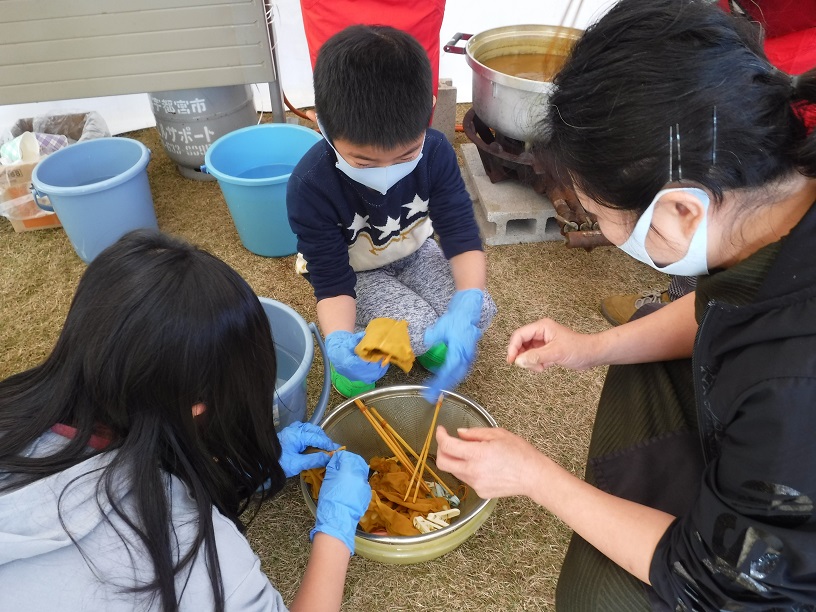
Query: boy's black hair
[373, 86]
[681, 67]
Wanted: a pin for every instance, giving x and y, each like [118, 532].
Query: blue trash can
[253, 166]
[99, 190]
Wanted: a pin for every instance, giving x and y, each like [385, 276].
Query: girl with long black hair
[129, 456]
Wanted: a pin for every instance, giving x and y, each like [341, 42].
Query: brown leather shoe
[618, 309]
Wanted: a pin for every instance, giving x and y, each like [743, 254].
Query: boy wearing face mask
[366, 202]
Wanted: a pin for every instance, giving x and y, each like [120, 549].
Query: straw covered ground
[512, 562]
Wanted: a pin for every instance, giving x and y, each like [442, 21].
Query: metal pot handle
[451, 46]
[323, 400]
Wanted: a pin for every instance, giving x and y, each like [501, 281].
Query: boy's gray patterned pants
[416, 288]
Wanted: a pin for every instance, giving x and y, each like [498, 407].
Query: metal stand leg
[275, 90]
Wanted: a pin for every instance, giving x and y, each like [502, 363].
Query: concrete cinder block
[444, 117]
[507, 212]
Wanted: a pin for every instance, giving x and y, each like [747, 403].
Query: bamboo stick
[428, 444]
[390, 442]
[562, 24]
[385, 437]
[393, 432]
[407, 446]
[424, 454]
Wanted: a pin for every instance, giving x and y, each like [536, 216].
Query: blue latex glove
[294, 439]
[340, 349]
[458, 329]
[344, 497]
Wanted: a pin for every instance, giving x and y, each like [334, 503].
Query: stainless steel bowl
[409, 414]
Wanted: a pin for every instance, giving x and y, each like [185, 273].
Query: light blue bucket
[252, 166]
[294, 351]
[99, 190]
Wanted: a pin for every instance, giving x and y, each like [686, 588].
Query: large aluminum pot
[509, 104]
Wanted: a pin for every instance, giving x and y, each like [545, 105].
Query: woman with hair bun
[690, 147]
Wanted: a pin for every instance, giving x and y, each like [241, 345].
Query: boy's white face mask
[695, 261]
[380, 179]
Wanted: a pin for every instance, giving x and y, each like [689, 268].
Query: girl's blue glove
[340, 349]
[344, 497]
[458, 329]
[294, 439]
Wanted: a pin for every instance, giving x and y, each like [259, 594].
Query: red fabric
[99, 441]
[793, 53]
[790, 31]
[779, 17]
[807, 113]
[421, 18]
[790, 39]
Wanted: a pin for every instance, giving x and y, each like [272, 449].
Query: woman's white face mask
[695, 261]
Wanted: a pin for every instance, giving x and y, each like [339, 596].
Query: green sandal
[346, 387]
[434, 357]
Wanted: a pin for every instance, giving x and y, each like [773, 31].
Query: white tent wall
[131, 112]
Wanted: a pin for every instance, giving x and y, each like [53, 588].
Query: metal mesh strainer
[410, 415]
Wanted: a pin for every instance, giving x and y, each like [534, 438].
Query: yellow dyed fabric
[314, 478]
[387, 511]
[387, 338]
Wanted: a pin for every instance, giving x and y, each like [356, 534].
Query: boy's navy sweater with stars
[344, 227]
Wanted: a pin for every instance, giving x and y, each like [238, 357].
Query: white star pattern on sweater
[391, 226]
[418, 205]
[357, 224]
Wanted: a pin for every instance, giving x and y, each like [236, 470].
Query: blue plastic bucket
[252, 166]
[99, 190]
[294, 351]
